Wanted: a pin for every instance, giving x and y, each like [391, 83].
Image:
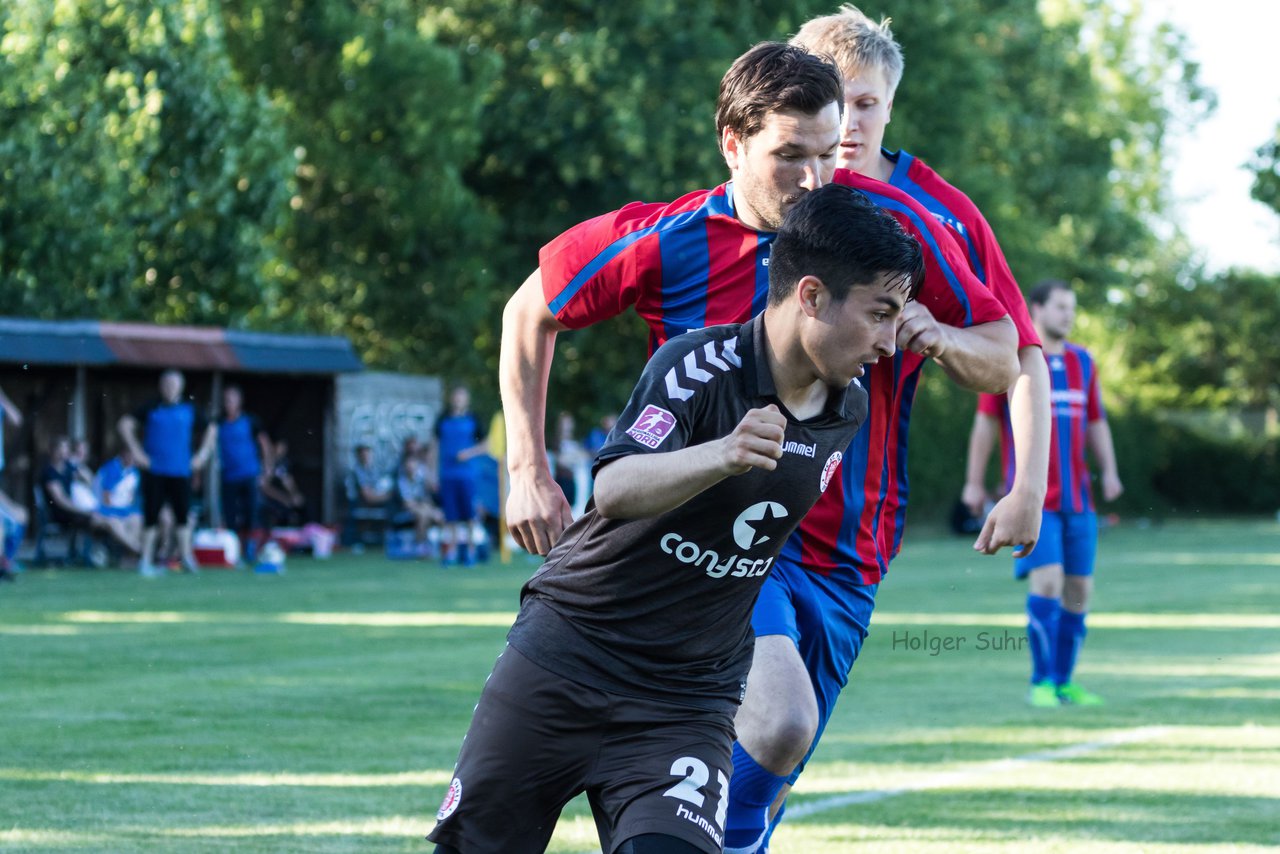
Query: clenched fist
[756, 442]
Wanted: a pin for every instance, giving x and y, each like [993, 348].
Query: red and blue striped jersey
[969, 227]
[683, 265]
[1076, 403]
[693, 263]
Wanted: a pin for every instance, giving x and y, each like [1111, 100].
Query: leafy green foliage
[1266, 172]
[142, 179]
[385, 243]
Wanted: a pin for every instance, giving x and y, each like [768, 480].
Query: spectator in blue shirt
[459, 439]
[243, 446]
[13, 516]
[164, 454]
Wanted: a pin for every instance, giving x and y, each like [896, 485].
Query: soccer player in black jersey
[629, 657]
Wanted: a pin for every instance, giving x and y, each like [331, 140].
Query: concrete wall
[381, 410]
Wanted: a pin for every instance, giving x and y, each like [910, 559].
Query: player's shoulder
[720, 339]
[901, 205]
[700, 360]
[1079, 351]
[918, 172]
[652, 217]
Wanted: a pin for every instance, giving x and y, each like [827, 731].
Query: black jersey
[661, 607]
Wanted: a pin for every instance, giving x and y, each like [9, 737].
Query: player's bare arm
[208, 443]
[1098, 438]
[982, 441]
[983, 357]
[647, 485]
[128, 429]
[1015, 520]
[537, 512]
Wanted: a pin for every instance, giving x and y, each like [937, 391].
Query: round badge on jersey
[829, 470]
[451, 800]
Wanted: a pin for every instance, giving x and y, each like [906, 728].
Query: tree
[1266, 173]
[141, 180]
[385, 243]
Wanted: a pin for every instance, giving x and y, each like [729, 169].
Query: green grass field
[322, 711]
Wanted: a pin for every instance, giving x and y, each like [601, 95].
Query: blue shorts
[1070, 539]
[827, 619]
[458, 498]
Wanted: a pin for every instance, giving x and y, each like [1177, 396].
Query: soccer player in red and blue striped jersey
[871, 63]
[702, 260]
[1060, 568]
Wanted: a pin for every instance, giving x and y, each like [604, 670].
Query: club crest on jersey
[829, 470]
[451, 800]
[652, 427]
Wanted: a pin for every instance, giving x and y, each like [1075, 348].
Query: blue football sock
[1071, 634]
[773, 825]
[13, 539]
[1042, 632]
[751, 790]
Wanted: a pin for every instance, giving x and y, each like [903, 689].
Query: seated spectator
[116, 488]
[56, 480]
[370, 497]
[366, 486]
[282, 502]
[416, 486]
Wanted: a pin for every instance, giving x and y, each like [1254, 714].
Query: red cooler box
[216, 547]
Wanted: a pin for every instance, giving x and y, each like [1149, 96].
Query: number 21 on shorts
[695, 776]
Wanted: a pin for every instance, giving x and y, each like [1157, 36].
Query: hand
[974, 497]
[756, 442]
[920, 332]
[197, 462]
[1112, 488]
[537, 512]
[142, 461]
[1014, 521]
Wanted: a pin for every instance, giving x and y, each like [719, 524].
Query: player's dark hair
[1041, 293]
[774, 76]
[836, 234]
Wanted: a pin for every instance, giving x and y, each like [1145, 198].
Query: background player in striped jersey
[871, 64]
[702, 260]
[1060, 568]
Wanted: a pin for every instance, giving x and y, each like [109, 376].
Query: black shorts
[537, 740]
[159, 490]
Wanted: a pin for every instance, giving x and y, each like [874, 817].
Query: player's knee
[1046, 581]
[1075, 592]
[789, 735]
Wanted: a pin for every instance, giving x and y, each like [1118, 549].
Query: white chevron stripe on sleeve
[730, 352]
[712, 357]
[674, 389]
[691, 368]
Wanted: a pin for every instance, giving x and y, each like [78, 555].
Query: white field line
[948, 779]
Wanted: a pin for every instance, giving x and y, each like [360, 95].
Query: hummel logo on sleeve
[718, 355]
